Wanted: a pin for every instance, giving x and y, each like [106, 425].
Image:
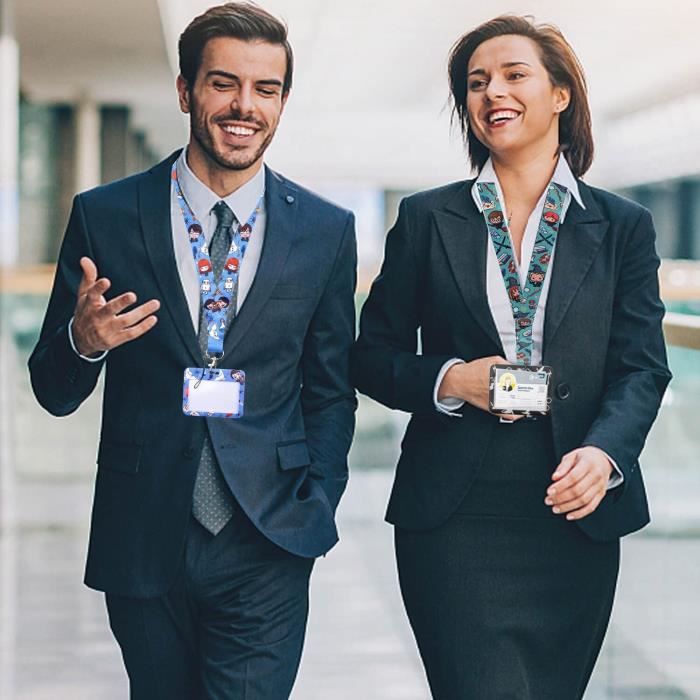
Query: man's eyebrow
[232, 76]
[222, 74]
[508, 64]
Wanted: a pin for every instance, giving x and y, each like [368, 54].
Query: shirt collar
[562, 176]
[201, 199]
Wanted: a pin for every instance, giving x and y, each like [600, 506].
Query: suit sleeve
[61, 379]
[327, 396]
[636, 366]
[385, 363]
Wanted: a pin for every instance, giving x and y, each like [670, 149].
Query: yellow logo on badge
[507, 382]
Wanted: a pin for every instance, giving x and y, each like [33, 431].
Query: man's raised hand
[100, 325]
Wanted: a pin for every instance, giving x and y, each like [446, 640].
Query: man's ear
[183, 94]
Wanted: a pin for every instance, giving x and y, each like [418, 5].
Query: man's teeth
[503, 114]
[239, 130]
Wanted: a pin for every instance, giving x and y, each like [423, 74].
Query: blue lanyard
[217, 296]
[523, 302]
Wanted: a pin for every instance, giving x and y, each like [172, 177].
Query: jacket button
[188, 453]
[563, 392]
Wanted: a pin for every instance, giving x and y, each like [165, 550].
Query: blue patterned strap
[524, 301]
[218, 289]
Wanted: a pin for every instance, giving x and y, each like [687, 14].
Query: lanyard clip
[213, 360]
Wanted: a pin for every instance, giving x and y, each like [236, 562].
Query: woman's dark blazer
[602, 338]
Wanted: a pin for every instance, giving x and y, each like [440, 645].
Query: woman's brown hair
[564, 69]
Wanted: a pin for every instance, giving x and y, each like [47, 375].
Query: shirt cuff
[449, 405]
[99, 358]
[617, 477]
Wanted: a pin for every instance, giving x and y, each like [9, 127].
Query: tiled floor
[55, 643]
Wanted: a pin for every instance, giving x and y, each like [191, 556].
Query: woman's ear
[562, 97]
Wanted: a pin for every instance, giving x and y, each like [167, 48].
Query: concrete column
[9, 136]
[114, 142]
[87, 145]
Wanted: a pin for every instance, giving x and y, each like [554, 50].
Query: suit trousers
[232, 626]
[507, 600]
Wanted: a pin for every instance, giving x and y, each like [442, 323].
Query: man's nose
[243, 100]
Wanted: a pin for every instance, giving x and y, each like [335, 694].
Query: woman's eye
[476, 84]
[222, 86]
[516, 75]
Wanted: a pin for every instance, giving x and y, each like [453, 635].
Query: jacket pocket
[293, 455]
[119, 457]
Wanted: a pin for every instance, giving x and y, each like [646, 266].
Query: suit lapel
[578, 241]
[280, 227]
[465, 237]
[156, 228]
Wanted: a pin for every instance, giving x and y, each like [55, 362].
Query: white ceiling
[369, 99]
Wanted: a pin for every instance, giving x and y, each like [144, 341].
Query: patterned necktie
[212, 503]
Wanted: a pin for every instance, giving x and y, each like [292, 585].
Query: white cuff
[617, 477]
[99, 358]
[449, 405]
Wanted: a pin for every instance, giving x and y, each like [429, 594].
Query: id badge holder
[520, 389]
[213, 392]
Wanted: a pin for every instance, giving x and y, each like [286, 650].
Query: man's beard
[231, 159]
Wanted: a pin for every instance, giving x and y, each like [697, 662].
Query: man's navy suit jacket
[602, 338]
[286, 459]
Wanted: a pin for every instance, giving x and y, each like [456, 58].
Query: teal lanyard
[523, 301]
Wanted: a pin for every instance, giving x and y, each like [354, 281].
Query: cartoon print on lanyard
[523, 300]
[211, 391]
[216, 294]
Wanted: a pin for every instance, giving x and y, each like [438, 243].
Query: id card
[519, 389]
[214, 393]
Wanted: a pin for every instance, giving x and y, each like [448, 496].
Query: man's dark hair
[237, 20]
[564, 69]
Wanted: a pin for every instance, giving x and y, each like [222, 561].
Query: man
[205, 529]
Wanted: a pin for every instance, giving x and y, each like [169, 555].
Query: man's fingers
[95, 292]
[89, 275]
[89, 269]
[133, 332]
[135, 316]
[118, 304]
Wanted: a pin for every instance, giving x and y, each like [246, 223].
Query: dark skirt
[508, 601]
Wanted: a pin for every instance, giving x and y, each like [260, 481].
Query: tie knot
[224, 215]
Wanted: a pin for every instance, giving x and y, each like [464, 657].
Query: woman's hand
[580, 482]
[469, 381]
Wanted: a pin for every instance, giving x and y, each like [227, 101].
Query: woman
[507, 527]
